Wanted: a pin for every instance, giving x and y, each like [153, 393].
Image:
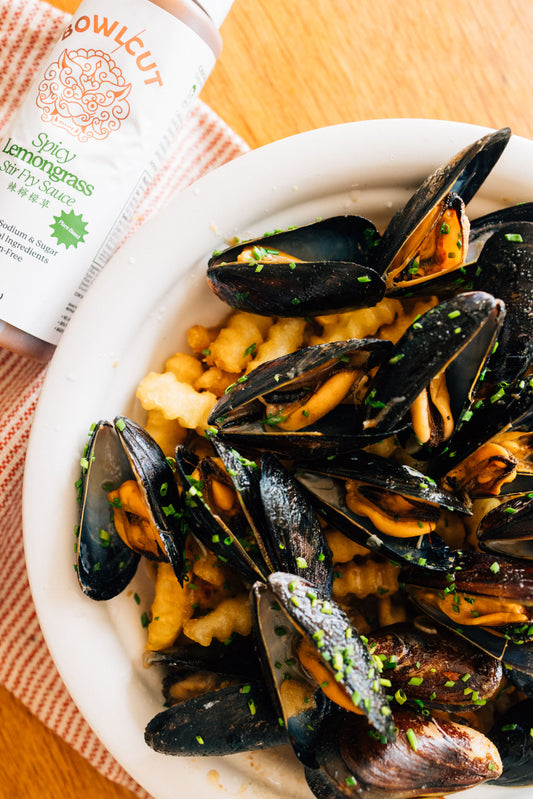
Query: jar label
[89, 138]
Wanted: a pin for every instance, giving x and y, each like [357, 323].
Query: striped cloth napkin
[28, 30]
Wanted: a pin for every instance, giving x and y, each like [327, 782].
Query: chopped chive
[411, 737]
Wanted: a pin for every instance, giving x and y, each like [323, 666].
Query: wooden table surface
[289, 66]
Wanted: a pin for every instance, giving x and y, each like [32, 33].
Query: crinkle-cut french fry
[205, 564]
[358, 324]
[168, 433]
[343, 549]
[232, 615]
[286, 335]
[163, 392]
[195, 684]
[411, 309]
[391, 610]
[199, 338]
[296, 694]
[233, 347]
[215, 380]
[365, 578]
[186, 368]
[172, 606]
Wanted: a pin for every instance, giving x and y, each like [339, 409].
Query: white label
[88, 139]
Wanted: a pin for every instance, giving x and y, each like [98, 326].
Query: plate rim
[316, 151]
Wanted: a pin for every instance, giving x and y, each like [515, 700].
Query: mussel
[490, 453]
[321, 651]
[505, 269]
[123, 454]
[234, 719]
[430, 667]
[451, 341]
[513, 737]
[390, 508]
[484, 598]
[430, 757]
[305, 401]
[428, 237]
[315, 269]
[508, 528]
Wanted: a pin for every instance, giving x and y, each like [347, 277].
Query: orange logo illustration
[84, 92]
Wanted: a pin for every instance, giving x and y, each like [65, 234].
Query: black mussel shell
[456, 335]
[225, 541]
[105, 564]
[338, 647]
[281, 516]
[463, 175]
[295, 539]
[478, 573]
[400, 478]
[234, 719]
[484, 226]
[300, 704]
[516, 656]
[159, 490]
[299, 372]
[514, 738]
[505, 269]
[326, 484]
[234, 658]
[328, 273]
[434, 666]
[340, 431]
[508, 528]
[505, 414]
[430, 757]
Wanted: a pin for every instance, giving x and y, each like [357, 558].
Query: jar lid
[216, 9]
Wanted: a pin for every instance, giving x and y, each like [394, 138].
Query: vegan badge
[69, 229]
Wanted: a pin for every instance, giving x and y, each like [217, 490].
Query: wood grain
[289, 66]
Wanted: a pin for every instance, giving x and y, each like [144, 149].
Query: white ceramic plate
[134, 317]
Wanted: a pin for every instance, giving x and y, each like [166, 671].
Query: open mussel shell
[310, 270]
[159, 490]
[336, 647]
[301, 706]
[505, 269]
[405, 234]
[296, 539]
[457, 336]
[340, 431]
[430, 757]
[105, 564]
[514, 740]
[508, 528]
[224, 537]
[297, 379]
[281, 516]
[378, 477]
[494, 442]
[433, 666]
[224, 722]
[501, 585]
